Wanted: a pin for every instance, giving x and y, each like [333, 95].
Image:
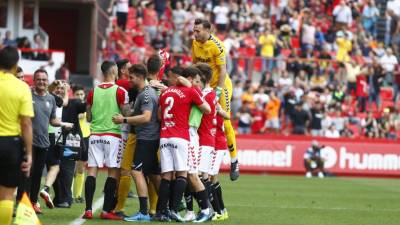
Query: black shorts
[53, 156]
[145, 157]
[11, 155]
[85, 148]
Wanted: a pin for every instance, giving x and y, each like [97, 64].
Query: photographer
[313, 160]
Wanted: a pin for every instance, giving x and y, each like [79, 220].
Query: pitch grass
[284, 200]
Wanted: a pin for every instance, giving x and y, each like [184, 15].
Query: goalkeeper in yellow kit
[209, 49]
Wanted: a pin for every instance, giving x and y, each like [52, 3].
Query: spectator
[347, 132]
[344, 46]
[267, 42]
[370, 126]
[150, 21]
[24, 43]
[179, 16]
[308, 36]
[316, 120]
[375, 81]
[362, 92]
[245, 119]
[300, 120]
[272, 114]
[39, 46]
[122, 12]
[370, 15]
[8, 41]
[388, 62]
[221, 16]
[342, 15]
[385, 125]
[332, 132]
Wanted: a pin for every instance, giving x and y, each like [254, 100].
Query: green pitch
[284, 200]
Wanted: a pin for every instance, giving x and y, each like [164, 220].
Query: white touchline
[317, 208]
[96, 206]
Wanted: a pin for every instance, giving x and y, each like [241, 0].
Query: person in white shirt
[179, 16]
[221, 16]
[388, 63]
[122, 12]
[231, 43]
[342, 14]
[332, 132]
[394, 5]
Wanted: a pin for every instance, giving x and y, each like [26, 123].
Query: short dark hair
[8, 57]
[120, 64]
[206, 72]
[154, 64]
[177, 70]
[106, 66]
[39, 71]
[138, 70]
[206, 24]
[191, 72]
[19, 69]
[77, 88]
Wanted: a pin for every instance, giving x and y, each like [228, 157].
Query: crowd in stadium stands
[325, 68]
[25, 43]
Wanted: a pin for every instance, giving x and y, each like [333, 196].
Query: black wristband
[125, 120]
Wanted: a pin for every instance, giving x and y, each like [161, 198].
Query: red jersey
[176, 103]
[122, 94]
[220, 138]
[207, 129]
[123, 83]
[361, 86]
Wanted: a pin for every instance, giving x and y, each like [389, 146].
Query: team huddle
[169, 134]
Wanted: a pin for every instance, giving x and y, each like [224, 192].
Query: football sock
[218, 191]
[189, 199]
[231, 139]
[215, 201]
[78, 184]
[202, 199]
[90, 187]
[180, 186]
[123, 190]
[143, 205]
[171, 194]
[6, 209]
[163, 195]
[109, 193]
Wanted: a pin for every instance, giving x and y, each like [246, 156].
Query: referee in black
[16, 111]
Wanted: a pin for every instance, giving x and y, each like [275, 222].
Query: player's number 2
[170, 103]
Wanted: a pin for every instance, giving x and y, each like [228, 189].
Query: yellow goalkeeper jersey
[213, 53]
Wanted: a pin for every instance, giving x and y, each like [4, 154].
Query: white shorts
[105, 150]
[206, 156]
[174, 154]
[194, 153]
[218, 157]
[272, 123]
